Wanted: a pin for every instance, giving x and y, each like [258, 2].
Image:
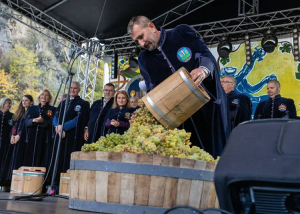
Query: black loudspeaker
[259, 170]
[114, 66]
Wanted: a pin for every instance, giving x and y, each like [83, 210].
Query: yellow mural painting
[281, 64]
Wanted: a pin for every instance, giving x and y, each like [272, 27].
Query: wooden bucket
[16, 182]
[64, 184]
[33, 178]
[175, 99]
[139, 183]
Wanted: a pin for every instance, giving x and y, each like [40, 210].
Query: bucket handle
[189, 84]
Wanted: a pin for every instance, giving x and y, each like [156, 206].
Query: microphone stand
[51, 188]
[62, 81]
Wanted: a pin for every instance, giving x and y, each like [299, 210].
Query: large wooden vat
[138, 183]
[175, 99]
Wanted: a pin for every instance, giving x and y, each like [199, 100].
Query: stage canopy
[83, 16]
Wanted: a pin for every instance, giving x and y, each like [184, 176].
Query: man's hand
[86, 134]
[58, 129]
[64, 134]
[198, 75]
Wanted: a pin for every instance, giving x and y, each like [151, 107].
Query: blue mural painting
[243, 86]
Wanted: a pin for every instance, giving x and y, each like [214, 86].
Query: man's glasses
[225, 81]
[108, 90]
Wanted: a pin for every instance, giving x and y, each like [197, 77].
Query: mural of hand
[272, 77]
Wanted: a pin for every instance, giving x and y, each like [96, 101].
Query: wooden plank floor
[50, 205]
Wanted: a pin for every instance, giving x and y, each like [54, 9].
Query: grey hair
[3, 100]
[78, 84]
[134, 98]
[142, 21]
[231, 78]
[276, 82]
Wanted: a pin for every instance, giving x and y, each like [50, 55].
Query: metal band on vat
[159, 112]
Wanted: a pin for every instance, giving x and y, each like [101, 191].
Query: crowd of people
[30, 136]
[167, 51]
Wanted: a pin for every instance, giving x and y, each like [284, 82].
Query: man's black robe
[77, 114]
[276, 108]
[240, 108]
[210, 125]
[96, 122]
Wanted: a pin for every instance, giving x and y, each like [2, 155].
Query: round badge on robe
[282, 107]
[236, 101]
[49, 113]
[77, 108]
[127, 115]
[184, 54]
[10, 122]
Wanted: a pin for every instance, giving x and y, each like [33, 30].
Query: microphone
[287, 114]
[82, 51]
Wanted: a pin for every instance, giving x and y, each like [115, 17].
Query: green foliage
[99, 81]
[224, 61]
[7, 85]
[285, 48]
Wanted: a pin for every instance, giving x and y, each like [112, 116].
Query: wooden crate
[175, 99]
[64, 184]
[139, 183]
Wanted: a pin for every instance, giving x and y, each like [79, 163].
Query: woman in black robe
[18, 135]
[6, 124]
[39, 132]
[119, 115]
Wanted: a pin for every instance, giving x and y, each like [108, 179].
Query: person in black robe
[6, 124]
[239, 104]
[18, 137]
[119, 115]
[39, 132]
[99, 109]
[134, 102]
[75, 121]
[276, 106]
[166, 52]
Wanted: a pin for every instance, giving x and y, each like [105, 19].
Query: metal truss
[282, 21]
[248, 7]
[124, 43]
[255, 25]
[86, 75]
[39, 19]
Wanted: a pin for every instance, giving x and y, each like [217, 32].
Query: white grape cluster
[147, 136]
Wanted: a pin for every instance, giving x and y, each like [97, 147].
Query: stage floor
[50, 205]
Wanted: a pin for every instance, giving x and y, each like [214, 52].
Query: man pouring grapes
[167, 51]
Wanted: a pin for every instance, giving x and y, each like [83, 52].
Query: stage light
[248, 50]
[133, 62]
[224, 48]
[296, 44]
[114, 65]
[269, 41]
